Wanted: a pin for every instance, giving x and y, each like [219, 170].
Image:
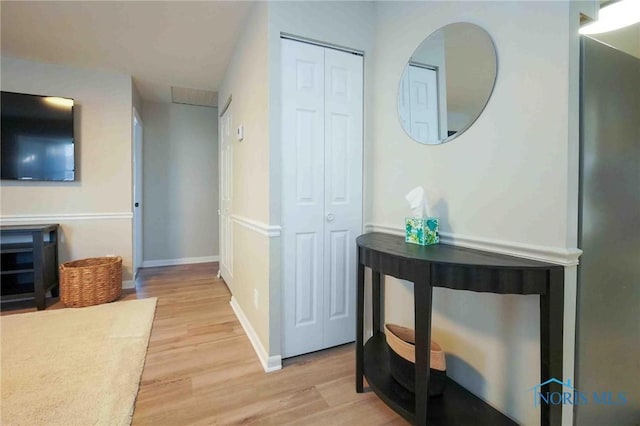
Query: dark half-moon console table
[456, 268]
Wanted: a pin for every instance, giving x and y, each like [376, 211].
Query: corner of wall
[246, 80]
[269, 362]
[137, 99]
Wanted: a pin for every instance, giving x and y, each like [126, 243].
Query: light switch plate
[240, 133]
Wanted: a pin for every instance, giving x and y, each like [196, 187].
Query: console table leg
[551, 344]
[360, 328]
[422, 293]
[375, 290]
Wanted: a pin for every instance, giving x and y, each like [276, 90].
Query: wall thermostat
[240, 133]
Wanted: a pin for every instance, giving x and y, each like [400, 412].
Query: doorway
[137, 192]
[226, 196]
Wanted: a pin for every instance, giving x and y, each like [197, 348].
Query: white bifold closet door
[322, 102]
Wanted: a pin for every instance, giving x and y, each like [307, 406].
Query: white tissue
[417, 202]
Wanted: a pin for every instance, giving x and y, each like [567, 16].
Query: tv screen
[36, 138]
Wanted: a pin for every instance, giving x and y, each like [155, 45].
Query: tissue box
[422, 230]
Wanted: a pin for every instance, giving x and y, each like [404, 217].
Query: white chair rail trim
[259, 227]
[63, 217]
[557, 255]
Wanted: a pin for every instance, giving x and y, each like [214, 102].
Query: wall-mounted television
[37, 141]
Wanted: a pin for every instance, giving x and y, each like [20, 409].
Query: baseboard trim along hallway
[269, 363]
[182, 261]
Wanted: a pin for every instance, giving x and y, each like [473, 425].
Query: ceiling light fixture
[614, 16]
[61, 102]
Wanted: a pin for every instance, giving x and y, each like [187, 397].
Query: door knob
[330, 217]
[136, 204]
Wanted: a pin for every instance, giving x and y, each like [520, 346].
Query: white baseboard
[269, 363]
[183, 261]
[128, 284]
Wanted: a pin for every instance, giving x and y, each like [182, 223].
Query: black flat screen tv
[37, 141]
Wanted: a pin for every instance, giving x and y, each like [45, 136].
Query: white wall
[180, 182]
[95, 211]
[511, 178]
[246, 80]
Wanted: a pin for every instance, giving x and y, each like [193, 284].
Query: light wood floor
[201, 368]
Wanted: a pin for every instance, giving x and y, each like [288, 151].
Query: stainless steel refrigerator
[608, 316]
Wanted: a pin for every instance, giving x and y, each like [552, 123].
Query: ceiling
[161, 44]
[626, 39]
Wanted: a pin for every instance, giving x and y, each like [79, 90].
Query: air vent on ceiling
[182, 95]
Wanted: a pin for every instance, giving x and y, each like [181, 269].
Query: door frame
[137, 193]
[225, 271]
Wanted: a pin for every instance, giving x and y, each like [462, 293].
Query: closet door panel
[343, 191]
[303, 197]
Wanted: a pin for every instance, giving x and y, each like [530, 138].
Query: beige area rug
[74, 366]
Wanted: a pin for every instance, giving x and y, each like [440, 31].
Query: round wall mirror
[446, 83]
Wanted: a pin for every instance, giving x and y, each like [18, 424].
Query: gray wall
[100, 197]
[180, 198]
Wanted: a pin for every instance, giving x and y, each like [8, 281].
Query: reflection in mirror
[447, 83]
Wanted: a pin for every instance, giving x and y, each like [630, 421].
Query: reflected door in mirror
[418, 103]
[446, 83]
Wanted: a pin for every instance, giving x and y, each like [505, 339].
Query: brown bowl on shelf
[402, 358]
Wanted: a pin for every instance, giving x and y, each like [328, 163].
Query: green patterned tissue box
[422, 231]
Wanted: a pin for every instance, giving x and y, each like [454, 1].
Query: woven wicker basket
[91, 281]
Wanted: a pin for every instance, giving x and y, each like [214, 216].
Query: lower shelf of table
[457, 406]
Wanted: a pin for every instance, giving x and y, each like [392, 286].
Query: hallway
[202, 369]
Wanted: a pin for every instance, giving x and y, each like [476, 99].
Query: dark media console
[29, 269]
